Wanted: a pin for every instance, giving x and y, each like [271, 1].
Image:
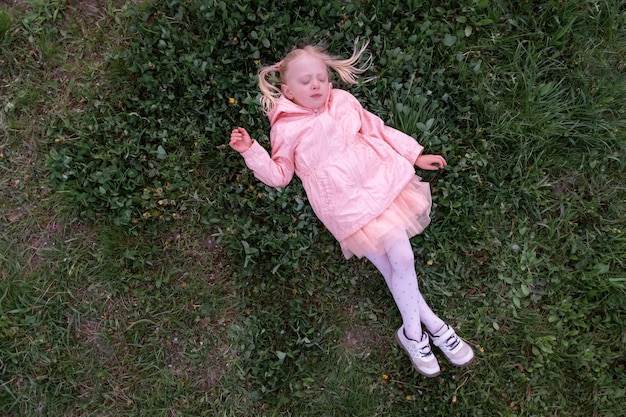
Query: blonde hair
[345, 68]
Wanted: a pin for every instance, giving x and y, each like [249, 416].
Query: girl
[359, 177]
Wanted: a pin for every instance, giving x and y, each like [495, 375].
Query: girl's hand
[430, 162]
[240, 140]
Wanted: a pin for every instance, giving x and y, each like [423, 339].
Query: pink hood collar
[285, 107]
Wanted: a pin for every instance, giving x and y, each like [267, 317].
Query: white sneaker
[422, 357]
[456, 350]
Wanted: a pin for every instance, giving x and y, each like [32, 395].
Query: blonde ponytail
[346, 68]
[270, 93]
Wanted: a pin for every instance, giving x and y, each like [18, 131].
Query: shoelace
[425, 351]
[452, 342]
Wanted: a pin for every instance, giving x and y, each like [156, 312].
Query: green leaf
[449, 40]
[545, 88]
[601, 269]
[161, 153]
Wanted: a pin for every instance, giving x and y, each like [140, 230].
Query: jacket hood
[287, 108]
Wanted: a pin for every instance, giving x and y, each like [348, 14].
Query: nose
[316, 84]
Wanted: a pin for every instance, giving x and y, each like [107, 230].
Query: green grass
[144, 271]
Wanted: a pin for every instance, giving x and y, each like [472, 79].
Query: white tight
[398, 268]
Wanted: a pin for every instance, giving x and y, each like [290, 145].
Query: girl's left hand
[430, 162]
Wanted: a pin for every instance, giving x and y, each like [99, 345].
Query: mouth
[316, 96]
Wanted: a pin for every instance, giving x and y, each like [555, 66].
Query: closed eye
[321, 78]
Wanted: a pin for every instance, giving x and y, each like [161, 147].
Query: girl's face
[306, 82]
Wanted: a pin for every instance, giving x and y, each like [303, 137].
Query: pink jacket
[351, 165]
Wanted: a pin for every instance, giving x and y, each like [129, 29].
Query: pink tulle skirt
[409, 211]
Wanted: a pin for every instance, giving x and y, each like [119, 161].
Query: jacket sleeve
[372, 125]
[277, 170]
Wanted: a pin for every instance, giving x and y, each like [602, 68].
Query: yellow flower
[231, 100]
[385, 378]
[430, 262]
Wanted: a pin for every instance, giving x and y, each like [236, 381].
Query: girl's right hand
[240, 140]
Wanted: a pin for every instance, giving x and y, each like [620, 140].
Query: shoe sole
[465, 363]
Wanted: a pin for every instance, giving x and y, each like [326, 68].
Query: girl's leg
[397, 265]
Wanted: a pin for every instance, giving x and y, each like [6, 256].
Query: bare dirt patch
[360, 340]
[11, 3]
